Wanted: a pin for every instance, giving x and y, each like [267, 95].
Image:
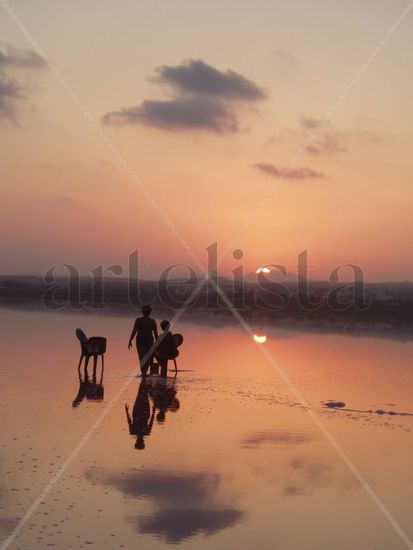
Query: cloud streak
[288, 173]
[201, 97]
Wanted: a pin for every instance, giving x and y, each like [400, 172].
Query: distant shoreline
[389, 315]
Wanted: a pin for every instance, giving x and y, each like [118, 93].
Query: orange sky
[66, 198]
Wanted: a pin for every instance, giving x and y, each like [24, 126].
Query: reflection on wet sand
[297, 472]
[162, 393]
[269, 437]
[184, 504]
[340, 405]
[240, 464]
[6, 523]
[90, 389]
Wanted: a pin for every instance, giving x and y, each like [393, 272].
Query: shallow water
[232, 460]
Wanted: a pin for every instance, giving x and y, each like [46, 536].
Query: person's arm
[155, 329]
[133, 334]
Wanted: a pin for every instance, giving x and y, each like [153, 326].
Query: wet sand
[231, 460]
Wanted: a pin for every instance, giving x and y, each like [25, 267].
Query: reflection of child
[166, 348]
[163, 394]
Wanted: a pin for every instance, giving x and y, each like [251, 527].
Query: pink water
[237, 462]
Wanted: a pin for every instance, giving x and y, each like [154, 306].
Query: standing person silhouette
[146, 333]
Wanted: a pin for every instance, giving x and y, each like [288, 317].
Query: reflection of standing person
[140, 424]
[146, 332]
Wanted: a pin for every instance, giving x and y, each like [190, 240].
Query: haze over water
[237, 462]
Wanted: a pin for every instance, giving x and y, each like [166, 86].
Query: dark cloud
[201, 97]
[11, 94]
[14, 57]
[259, 439]
[288, 173]
[184, 504]
[190, 113]
[196, 77]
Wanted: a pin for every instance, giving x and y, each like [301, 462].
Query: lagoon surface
[231, 459]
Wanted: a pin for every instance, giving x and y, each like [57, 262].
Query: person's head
[165, 325]
[140, 443]
[160, 417]
[174, 406]
[146, 310]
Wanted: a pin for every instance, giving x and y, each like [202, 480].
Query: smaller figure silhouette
[146, 333]
[166, 348]
[141, 421]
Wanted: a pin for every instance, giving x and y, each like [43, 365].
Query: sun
[260, 338]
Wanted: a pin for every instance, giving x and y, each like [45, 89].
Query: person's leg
[142, 352]
[164, 367]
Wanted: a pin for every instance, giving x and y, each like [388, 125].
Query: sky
[201, 110]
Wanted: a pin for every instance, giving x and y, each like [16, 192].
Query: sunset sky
[208, 102]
